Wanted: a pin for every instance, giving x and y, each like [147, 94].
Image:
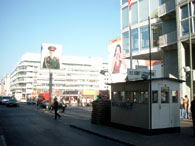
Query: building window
[144, 37]
[156, 32]
[125, 37]
[184, 12]
[134, 39]
[175, 96]
[125, 17]
[154, 4]
[193, 17]
[154, 96]
[184, 20]
[143, 10]
[134, 13]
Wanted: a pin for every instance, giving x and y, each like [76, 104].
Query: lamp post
[190, 50]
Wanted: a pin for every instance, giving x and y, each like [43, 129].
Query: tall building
[163, 26]
[5, 86]
[76, 74]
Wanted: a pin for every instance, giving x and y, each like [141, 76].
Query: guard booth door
[164, 106]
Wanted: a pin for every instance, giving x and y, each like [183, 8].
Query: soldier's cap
[51, 48]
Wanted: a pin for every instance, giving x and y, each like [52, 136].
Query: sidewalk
[184, 138]
[83, 122]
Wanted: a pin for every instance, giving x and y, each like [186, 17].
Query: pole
[150, 81]
[130, 46]
[190, 51]
[50, 85]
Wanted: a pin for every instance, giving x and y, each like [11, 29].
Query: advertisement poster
[51, 56]
[117, 64]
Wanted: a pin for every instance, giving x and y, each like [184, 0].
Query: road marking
[3, 140]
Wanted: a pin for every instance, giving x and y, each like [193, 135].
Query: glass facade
[125, 38]
[156, 33]
[134, 39]
[144, 37]
[154, 8]
[134, 13]
[185, 19]
[140, 31]
[143, 5]
[125, 17]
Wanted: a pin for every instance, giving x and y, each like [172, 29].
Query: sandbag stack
[101, 111]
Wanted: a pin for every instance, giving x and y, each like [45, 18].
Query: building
[164, 27]
[76, 74]
[5, 86]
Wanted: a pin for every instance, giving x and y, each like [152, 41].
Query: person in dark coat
[193, 113]
[55, 106]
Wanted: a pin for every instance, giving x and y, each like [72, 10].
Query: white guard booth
[134, 109]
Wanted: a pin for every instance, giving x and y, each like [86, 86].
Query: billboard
[51, 56]
[117, 64]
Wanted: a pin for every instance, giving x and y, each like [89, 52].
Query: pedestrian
[55, 106]
[193, 114]
[186, 105]
[63, 104]
[181, 108]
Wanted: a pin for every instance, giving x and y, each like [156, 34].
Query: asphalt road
[28, 126]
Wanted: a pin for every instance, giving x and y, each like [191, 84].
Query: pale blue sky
[82, 27]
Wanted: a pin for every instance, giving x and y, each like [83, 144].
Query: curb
[103, 136]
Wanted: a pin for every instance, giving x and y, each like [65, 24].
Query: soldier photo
[51, 61]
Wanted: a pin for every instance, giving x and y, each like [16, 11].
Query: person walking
[186, 105]
[193, 114]
[181, 108]
[56, 109]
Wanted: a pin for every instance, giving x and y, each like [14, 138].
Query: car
[12, 102]
[44, 104]
[4, 99]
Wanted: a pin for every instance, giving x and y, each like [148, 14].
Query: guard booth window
[155, 96]
[116, 96]
[164, 95]
[174, 96]
[140, 97]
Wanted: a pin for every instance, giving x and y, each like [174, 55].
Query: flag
[129, 3]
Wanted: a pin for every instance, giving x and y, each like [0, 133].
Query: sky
[82, 27]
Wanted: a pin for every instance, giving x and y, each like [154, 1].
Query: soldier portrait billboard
[51, 56]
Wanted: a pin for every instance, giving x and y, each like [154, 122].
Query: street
[28, 125]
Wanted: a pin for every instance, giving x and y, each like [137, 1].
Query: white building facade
[76, 74]
[5, 86]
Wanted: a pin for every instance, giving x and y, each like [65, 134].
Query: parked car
[12, 102]
[4, 99]
[44, 104]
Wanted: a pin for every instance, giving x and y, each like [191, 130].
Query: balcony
[168, 39]
[167, 10]
[181, 1]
